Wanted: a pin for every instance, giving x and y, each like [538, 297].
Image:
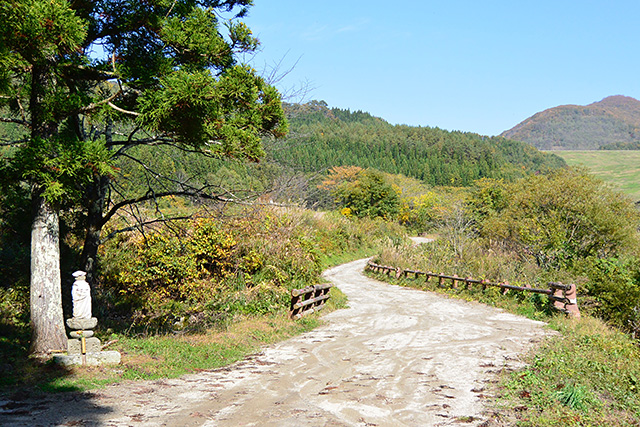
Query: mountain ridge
[613, 122]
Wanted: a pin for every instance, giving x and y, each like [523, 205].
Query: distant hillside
[322, 137]
[613, 123]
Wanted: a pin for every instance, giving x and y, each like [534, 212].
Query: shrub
[614, 284]
[207, 270]
[557, 219]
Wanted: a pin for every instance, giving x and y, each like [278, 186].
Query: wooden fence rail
[308, 300]
[564, 297]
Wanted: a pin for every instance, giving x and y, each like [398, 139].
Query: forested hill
[322, 137]
[613, 123]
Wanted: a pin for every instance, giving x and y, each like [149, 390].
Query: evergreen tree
[90, 80]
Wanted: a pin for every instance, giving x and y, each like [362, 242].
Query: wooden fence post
[558, 293]
[505, 290]
[572, 306]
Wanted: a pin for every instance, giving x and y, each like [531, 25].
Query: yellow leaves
[338, 175]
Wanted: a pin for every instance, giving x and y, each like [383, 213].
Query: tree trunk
[47, 322]
[96, 197]
[95, 221]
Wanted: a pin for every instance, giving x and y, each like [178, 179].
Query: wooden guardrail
[564, 297]
[309, 300]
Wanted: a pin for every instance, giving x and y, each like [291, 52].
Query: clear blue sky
[480, 65]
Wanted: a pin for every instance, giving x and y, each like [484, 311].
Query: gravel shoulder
[396, 357]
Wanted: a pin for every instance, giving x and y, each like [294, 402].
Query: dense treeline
[635, 145]
[321, 138]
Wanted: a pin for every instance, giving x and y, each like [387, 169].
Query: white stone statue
[81, 296]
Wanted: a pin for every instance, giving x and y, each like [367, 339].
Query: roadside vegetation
[566, 226]
[197, 294]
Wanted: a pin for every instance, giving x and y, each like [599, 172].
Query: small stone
[92, 345]
[82, 324]
[80, 334]
[74, 346]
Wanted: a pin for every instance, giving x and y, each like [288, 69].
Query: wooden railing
[564, 297]
[309, 300]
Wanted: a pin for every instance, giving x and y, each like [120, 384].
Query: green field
[620, 168]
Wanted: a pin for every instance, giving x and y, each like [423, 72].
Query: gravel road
[397, 357]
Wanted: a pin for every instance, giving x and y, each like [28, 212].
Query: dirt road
[397, 357]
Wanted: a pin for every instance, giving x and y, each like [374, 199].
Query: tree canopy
[323, 137]
[88, 81]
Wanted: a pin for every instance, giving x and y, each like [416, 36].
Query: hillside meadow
[621, 168]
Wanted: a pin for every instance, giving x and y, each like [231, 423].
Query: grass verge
[590, 376]
[168, 356]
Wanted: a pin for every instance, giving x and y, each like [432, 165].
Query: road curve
[396, 357]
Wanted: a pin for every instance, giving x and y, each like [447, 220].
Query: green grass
[619, 168]
[166, 356]
[589, 376]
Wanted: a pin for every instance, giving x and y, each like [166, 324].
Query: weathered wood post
[572, 306]
[505, 290]
[468, 282]
[558, 293]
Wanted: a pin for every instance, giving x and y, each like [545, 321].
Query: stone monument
[82, 347]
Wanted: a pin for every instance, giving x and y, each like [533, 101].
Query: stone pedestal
[83, 348]
[89, 359]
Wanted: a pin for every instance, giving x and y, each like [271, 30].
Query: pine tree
[89, 80]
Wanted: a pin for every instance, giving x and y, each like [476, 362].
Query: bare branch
[16, 121]
[141, 225]
[23, 113]
[151, 195]
[122, 110]
[95, 105]
[12, 143]
[274, 74]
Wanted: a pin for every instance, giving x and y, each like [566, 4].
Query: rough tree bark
[47, 322]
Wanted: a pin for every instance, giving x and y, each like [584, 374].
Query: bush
[207, 270]
[557, 219]
[614, 285]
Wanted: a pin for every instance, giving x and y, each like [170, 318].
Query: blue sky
[481, 66]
